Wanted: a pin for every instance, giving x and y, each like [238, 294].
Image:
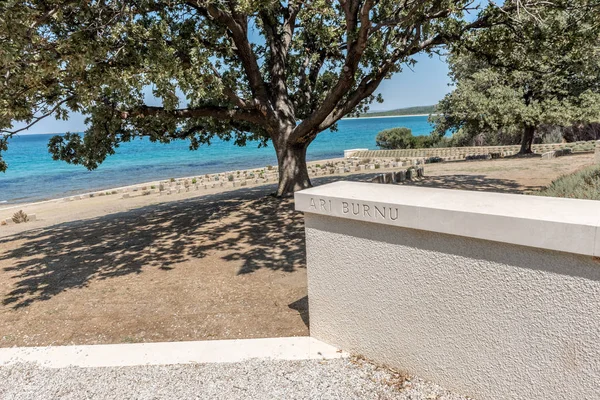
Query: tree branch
[238, 32]
[220, 113]
[357, 43]
[35, 120]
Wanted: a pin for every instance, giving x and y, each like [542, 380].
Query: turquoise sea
[32, 175]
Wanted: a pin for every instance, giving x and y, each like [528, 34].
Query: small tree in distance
[394, 138]
[402, 138]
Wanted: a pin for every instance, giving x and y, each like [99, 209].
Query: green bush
[402, 138]
[433, 160]
[584, 184]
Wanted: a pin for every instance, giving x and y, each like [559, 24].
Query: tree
[401, 138]
[517, 77]
[249, 70]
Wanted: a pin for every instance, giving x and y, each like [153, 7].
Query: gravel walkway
[256, 379]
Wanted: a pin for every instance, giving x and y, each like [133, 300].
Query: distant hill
[402, 111]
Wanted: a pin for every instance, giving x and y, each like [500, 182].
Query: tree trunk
[527, 140]
[293, 174]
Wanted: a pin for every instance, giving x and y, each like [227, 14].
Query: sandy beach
[216, 263]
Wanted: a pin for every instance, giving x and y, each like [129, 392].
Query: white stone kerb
[568, 225]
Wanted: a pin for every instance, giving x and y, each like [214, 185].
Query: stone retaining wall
[458, 153]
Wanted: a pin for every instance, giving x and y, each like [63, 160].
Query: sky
[424, 85]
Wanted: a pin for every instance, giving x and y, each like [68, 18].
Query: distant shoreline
[389, 116]
[343, 119]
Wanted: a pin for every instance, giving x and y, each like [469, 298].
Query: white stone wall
[348, 153]
[487, 318]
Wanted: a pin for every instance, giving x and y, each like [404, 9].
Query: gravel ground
[255, 379]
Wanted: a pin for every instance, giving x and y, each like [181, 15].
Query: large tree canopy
[268, 71]
[513, 78]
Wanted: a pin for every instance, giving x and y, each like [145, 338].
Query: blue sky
[425, 84]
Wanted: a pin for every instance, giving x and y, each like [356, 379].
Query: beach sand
[208, 264]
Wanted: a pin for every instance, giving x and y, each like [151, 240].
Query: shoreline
[389, 116]
[4, 206]
[8, 204]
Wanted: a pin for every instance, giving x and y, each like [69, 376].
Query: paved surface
[254, 379]
[171, 353]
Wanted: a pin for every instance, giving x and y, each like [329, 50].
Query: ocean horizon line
[341, 119]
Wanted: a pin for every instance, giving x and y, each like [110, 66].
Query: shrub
[433, 160]
[402, 138]
[114, 192]
[584, 184]
[377, 166]
[269, 167]
[20, 217]
[152, 187]
[194, 180]
[172, 179]
[230, 178]
[477, 157]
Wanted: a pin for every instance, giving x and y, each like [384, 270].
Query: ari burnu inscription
[367, 211]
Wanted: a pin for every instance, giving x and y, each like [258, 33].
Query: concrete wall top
[567, 225]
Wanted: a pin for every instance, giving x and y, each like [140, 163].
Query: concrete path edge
[168, 353]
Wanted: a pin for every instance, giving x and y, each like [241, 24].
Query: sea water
[32, 175]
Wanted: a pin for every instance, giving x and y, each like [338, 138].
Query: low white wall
[435, 282]
[348, 153]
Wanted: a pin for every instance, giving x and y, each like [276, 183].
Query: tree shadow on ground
[245, 225]
[457, 181]
[474, 182]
